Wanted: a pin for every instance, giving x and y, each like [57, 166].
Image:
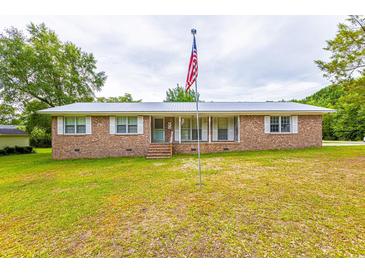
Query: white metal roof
[179, 107]
[11, 130]
[7, 126]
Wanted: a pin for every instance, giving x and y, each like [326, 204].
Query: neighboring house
[10, 136]
[92, 130]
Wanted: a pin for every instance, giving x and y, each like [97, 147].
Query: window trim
[214, 126]
[189, 129]
[227, 120]
[127, 129]
[191, 118]
[282, 132]
[75, 125]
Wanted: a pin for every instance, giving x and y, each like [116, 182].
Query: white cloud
[254, 58]
[273, 91]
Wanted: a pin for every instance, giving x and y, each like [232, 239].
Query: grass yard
[295, 203]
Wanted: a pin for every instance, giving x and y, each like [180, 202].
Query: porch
[183, 129]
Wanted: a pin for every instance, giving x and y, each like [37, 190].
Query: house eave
[169, 113]
[14, 135]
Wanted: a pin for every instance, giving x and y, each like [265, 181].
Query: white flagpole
[193, 32]
[198, 127]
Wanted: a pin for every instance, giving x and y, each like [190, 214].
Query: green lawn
[295, 203]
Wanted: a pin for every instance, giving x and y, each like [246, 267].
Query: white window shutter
[140, 124]
[112, 125]
[176, 133]
[60, 130]
[231, 129]
[294, 124]
[88, 125]
[267, 124]
[215, 129]
[204, 129]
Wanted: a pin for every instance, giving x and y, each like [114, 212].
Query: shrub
[28, 149]
[16, 150]
[19, 150]
[9, 150]
[23, 150]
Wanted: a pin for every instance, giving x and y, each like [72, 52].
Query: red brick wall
[100, 143]
[253, 137]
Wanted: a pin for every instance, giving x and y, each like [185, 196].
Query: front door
[158, 130]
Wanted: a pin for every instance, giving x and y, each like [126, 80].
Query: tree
[346, 69]
[126, 98]
[31, 118]
[179, 94]
[347, 60]
[37, 125]
[39, 66]
[39, 137]
[350, 117]
[348, 123]
[8, 114]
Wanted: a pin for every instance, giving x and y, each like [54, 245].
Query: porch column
[150, 129]
[179, 129]
[238, 129]
[209, 130]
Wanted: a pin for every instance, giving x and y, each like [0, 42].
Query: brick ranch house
[93, 130]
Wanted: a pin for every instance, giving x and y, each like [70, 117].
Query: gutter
[106, 113]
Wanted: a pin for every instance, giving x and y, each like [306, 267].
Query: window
[75, 125]
[222, 129]
[274, 123]
[80, 125]
[189, 129]
[194, 130]
[70, 125]
[185, 129]
[159, 123]
[127, 125]
[132, 124]
[280, 124]
[225, 129]
[285, 123]
[121, 124]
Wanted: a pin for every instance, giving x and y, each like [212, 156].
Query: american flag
[193, 67]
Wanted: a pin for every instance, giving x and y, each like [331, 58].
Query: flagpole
[193, 32]
[198, 127]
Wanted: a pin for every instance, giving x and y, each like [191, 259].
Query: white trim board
[172, 114]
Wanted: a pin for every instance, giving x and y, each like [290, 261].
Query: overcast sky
[241, 58]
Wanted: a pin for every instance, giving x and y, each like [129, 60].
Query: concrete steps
[159, 151]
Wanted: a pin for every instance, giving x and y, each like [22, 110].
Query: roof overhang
[180, 113]
[14, 135]
[186, 108]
